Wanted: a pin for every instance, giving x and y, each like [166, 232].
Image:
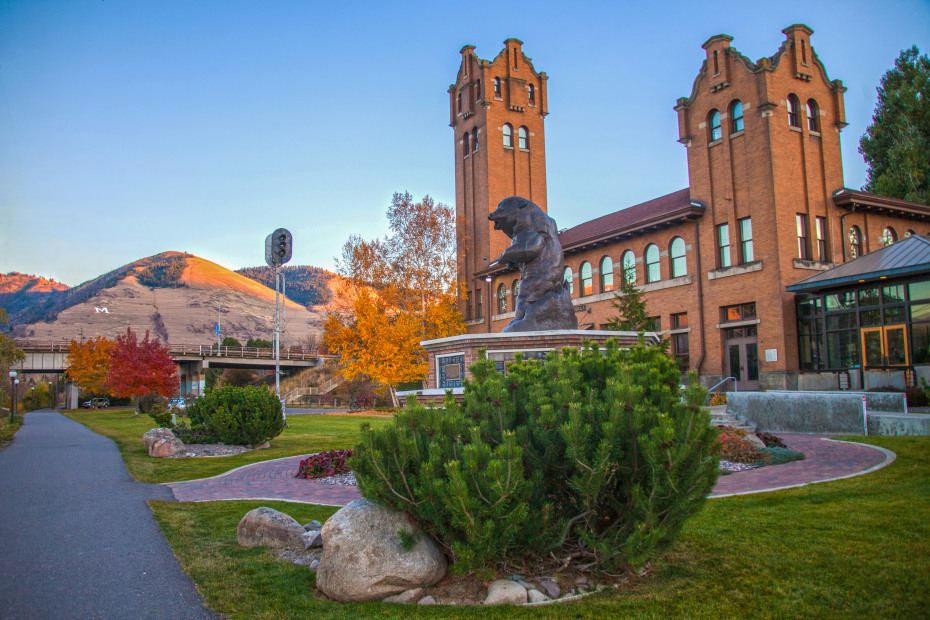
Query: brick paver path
[274, 480]
[823, 460]
[269, 480]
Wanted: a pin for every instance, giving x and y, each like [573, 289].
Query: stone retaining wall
[811, 412]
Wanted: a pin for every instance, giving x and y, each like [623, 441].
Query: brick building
[766, 207]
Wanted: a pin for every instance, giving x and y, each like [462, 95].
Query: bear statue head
[514, 214]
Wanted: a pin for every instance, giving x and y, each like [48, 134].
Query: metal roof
[906, 257]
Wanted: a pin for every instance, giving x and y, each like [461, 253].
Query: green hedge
[237, 415]
[596, 454]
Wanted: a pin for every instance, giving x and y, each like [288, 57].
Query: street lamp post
[13, 382]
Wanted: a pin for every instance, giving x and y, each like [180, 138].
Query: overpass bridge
[43, 357]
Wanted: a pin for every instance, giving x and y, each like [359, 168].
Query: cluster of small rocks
[358, 555]
[730, 466]
[343, 480]
[162, 443]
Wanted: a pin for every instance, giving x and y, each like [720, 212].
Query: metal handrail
[735, 385]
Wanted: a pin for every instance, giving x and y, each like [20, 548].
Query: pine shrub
[595, 454]
[238, 415]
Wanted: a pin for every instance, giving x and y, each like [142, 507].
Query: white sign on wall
[771, 355]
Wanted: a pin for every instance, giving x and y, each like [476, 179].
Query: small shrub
[770, 440]
[735, 449]
[917, 397]
[145, 403]
[161, 415]
[193, 434]
[330, 463]
[720, 398]
[783, 455]
[238, 415]
[730, 430]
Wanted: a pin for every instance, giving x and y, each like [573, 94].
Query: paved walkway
[824, 459]
[77, 539]
[274, 480]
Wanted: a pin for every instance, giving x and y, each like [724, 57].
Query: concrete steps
[719, 416]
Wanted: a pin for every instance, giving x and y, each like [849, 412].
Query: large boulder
[363, 558]
[161, 442]
[266, 527]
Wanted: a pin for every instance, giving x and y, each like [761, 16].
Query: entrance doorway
[742, 356]
[884, 346]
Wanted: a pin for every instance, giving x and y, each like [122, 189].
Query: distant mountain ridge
[304, 284]
[174, 295]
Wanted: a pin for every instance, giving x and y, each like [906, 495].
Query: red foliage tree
[141, 368]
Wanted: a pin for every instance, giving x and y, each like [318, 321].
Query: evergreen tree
[631, 309]
[896, 146]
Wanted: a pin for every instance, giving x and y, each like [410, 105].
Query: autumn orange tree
[404, 292]
[140, 368]
[89, 363]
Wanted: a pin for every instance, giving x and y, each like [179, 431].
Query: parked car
[177, 403]
[96, 403]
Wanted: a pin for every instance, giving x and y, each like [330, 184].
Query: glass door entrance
[884, 346]
[742, 356]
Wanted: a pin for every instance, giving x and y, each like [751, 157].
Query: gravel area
[213, 449]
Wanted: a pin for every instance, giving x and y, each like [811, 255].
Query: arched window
[497, 87]
[629, 266]
[716, 132]
[531, 93]
[909, 233]
[889, 236]
[855, 242]
[568, 278]
[736, 116]
[466, 147]
[477, 91]
[813, 120]
[653, 269]
[474, 136]
[523, 137]
[607, 274]
[508, 134]
[515, 291]
[587, 282]
[679, 262]
[501, 298]
[794, 110]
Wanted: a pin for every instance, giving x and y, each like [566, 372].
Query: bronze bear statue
[544, 301]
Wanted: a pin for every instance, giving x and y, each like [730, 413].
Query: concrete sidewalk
[77, 539]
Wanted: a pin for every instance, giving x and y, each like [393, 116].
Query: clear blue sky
[131, 127]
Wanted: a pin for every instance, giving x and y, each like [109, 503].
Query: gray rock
[407, 596]
[581, 579]
[265, 527]
[161, 442]
[312, 539]
[363, 559]
[526, 585]
[535, 596]
[505, 592]
[315, 564]
[427, 600]
[754, 441]
[551, 588]
[312, 526]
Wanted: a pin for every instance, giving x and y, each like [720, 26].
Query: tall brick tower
[764, 158]
[496, 111]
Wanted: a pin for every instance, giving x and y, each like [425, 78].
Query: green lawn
[851, 548]
[306, 434]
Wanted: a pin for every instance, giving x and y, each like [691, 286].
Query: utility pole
[218, 306]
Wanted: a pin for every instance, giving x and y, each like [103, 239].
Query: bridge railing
[199, 350]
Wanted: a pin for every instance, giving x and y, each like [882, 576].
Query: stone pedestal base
[449, 358]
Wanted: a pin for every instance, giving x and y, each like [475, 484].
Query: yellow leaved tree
[89, 363]
[403, 290]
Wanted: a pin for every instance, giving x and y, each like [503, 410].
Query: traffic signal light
[278, 247]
